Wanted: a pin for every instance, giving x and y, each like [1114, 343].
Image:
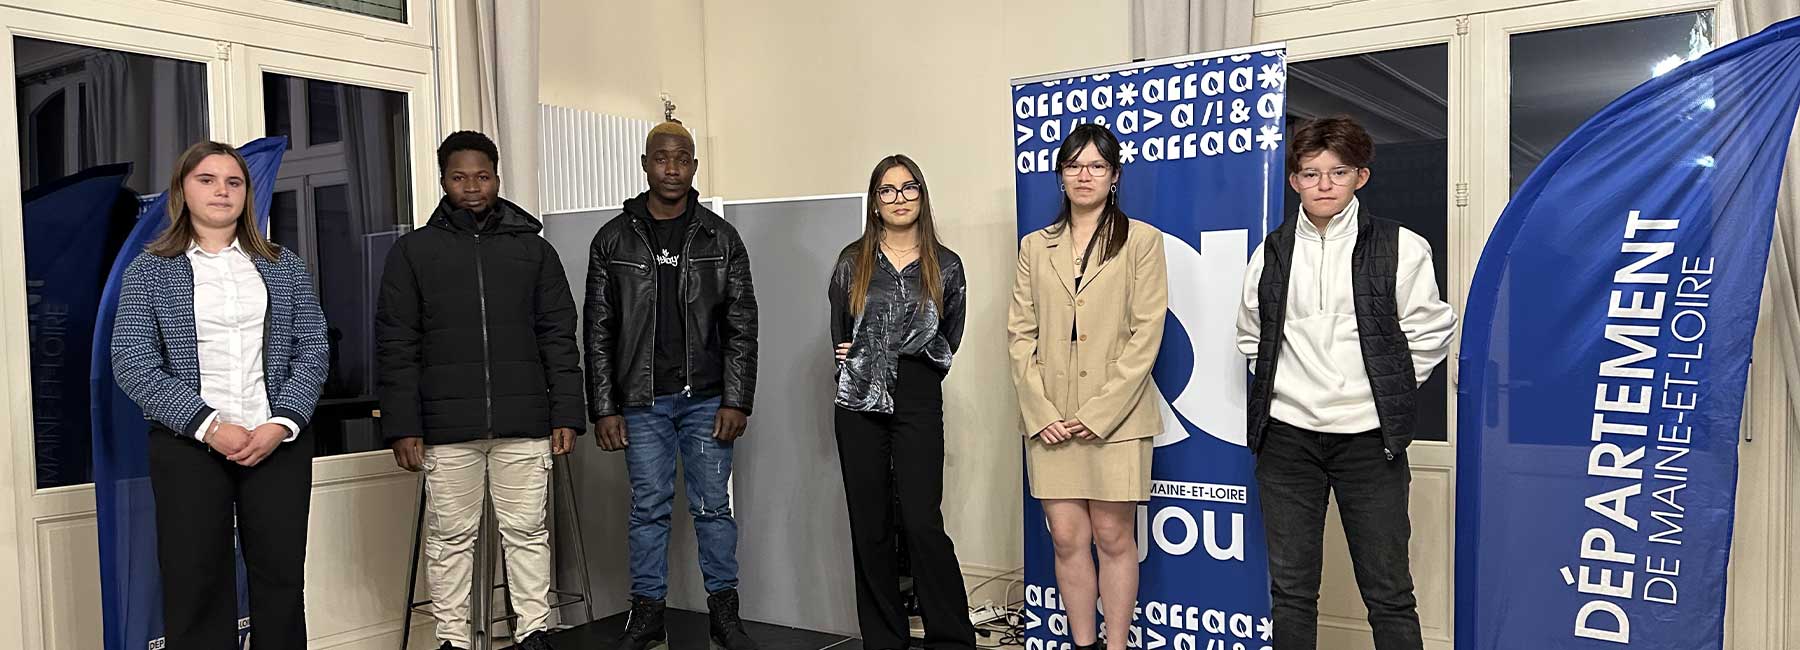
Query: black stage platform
[687, 631]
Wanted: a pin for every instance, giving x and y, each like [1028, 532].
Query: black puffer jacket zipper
[487, 372]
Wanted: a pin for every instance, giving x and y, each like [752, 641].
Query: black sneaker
[539, 640]
[447, 646]
[644, 628]
[727, 628]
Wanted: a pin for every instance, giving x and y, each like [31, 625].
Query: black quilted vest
[1386, 355]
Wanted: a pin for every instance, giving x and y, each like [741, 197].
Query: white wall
[801, 97]
[618, 57]
[806, 95]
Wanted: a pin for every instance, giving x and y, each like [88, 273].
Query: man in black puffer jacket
[671, 366]
[480, 382]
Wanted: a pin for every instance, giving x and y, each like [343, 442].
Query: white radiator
[588, 160]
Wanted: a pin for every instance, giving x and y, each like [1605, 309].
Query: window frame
[1479, 94]
[1458, 258]
[236, 47]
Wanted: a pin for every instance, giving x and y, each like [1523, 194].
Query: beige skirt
[1095, 470]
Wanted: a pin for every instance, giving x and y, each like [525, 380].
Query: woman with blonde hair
[221, 341]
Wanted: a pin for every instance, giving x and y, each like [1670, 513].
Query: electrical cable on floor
[991, 579]
[1011, 625]
[1011, 629]
[1015, 610]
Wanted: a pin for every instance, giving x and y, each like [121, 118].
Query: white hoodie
[1322, 384]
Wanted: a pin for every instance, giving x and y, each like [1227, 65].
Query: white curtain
[1781, 316]
[486, 71]
[508, 62]
[1163, 28]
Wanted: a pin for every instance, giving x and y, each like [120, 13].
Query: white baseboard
[381, 637]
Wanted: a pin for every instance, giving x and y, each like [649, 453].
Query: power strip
[986, 613]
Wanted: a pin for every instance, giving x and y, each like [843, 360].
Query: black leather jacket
[619, 322]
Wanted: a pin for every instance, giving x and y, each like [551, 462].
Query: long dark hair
[1114, 226]
[175, 240]
[871, 238]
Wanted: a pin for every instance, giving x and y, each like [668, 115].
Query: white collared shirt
[1323, 385]
[230, 305]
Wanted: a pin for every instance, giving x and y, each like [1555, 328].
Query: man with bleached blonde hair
[671, 363]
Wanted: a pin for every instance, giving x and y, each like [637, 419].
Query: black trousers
[910, 445]
[197, 494]
[1297, 471]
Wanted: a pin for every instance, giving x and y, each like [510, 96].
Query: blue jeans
[681, 426]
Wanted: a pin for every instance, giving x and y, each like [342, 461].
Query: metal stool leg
[483, 592]
[412, 568]
[486, 555]
[505, 588]
[580, 552]
[568, 476]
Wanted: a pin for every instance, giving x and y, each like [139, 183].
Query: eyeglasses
[1097, 169]
[908, 192]
[680, 160]
[1340, 175]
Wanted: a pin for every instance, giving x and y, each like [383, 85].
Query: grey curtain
[109, 77]
[1164, 28]
[144, 110]
[372, 148]
[370, 151]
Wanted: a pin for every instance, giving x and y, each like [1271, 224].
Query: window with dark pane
[394, 10]
[278, 113]
[1402, 98]
[322, 106]
[1562, 77]
[44, 145]
[343, 196]
[81, 111]
[284, 216]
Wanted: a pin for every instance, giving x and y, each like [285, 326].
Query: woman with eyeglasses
[1085, 325]
[897, 301]
[221, 341]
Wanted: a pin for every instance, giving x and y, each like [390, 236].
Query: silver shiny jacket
[894, 323]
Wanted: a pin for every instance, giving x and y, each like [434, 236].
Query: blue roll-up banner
[67, 222]
[1202, 149]
[1605, 352]
[130, 583]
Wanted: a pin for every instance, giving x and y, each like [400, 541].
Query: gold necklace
[897, 250]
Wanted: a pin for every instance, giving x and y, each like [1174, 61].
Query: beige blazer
[1101, 376]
